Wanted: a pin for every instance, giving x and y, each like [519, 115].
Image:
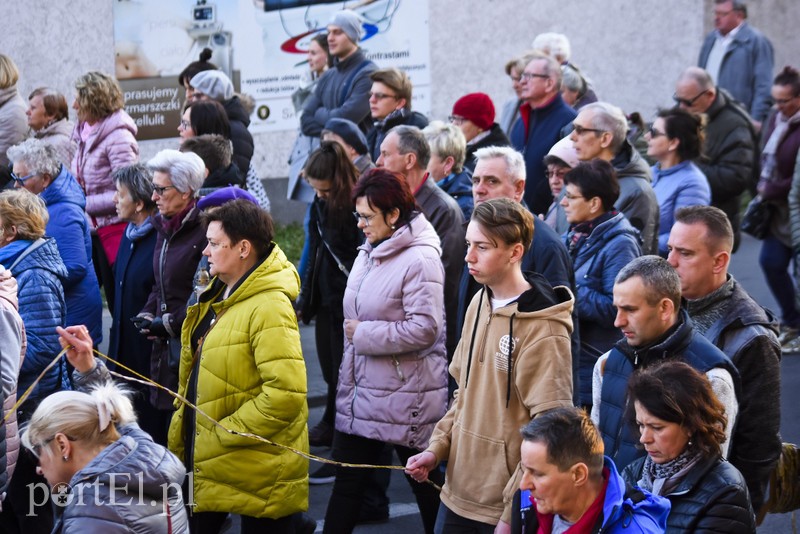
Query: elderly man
[647, 295]
[739, 58]
[730, 158]
[405, 151]
[567, 483]
[600, 131]
[390, 106]
[700, 245]
[500, 173]
[342, 91]
[544, 119]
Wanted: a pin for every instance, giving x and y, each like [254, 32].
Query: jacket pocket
[469, 451]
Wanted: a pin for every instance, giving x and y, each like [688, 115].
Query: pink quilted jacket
[12, 337]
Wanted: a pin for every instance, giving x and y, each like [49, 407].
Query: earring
[241, 256]
[66, 458]
[393, 227]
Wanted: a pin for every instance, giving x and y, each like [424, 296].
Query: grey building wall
[633, 50]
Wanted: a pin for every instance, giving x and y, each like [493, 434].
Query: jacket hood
[417, 233]
[8, 288]
[409, 118]
[457, 184]
[64, 188]
[236, 111]
[42, 254]
[224, 177]
[541, 300]
[62, 127]
[643, 509]
[149, 465]
[8, 93]
[118, 120]
[629, 163]
[275, 273]
[605, 232]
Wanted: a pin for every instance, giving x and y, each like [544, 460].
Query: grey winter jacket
[59, 135]
[13, 122]
[637, 200]
[393, 377]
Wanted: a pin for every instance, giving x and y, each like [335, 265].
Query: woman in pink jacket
[106, 139]
[393, 378]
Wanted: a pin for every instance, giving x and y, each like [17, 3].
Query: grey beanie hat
[350, 23]
[213, 83]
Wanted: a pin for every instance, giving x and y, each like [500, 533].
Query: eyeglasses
[721, 14]
[525, 76]
[366, 219]
[778, 101]
[21, 181]
[381, 96]
[185, 124]
[580, 130]
[685, 101]
[158, 190]
[572, 197]
[455, 119]
[560, 173]
[515, 79]
[37, 449]
[654, 133]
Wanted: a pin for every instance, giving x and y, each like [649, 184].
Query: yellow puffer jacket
[252, 378]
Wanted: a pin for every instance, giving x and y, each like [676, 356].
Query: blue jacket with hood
[626, 511]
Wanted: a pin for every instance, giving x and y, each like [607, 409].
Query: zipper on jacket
[361, 282]
[353, 404]
[400, 374]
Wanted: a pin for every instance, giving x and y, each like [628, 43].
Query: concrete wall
[632, 50]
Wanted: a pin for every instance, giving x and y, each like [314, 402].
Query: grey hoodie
[636, 197]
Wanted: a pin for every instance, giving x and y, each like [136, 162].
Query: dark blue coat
[133, 281]
[69, 227]
[39, 272]
[459, 186]
[534, 134]
[609, 248]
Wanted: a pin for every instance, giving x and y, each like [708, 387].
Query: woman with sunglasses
[674, 140]
[177, 176]
[393, 380]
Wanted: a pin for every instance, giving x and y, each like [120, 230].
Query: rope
[151, 383]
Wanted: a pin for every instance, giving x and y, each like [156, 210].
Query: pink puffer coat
[110, 146]
[12, 348]
[393, 378]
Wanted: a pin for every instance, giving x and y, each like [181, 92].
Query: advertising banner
[260, 44]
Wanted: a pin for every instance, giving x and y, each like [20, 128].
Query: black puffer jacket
[241, 138]
[712, 498]
[377, 134]
[496, 137]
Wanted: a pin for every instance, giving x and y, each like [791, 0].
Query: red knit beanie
[476, 107]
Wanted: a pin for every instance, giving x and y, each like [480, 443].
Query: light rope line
[151, 383]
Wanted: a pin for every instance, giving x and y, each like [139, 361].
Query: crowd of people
[531, 310]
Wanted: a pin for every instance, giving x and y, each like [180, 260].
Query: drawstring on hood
[474, 331]
[510, 351]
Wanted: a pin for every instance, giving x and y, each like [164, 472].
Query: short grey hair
[699, 76]
[138, 179]
[186, 169]
[553, 44]
[552, 68]
[515, 163]
[573, 80]
[658, 277]
[411, 141]
[608, 118]
[447, 140]
[38, 156]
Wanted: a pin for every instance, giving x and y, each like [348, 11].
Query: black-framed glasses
[654, 133]
[686, 101]
[366, 219]
[580, 130]
[570, 196]
[455, 119]
[778, 101]
[185, 124]
[525, 76]
[158, 190]
[381, 96]
[22, 180]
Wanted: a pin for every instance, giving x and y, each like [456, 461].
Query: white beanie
[213, 83]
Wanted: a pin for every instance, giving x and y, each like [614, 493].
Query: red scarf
[587, 521]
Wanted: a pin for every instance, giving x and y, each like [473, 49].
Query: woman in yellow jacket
[243, 366]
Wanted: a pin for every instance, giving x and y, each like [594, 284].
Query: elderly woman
[601, 242]
[34, 261]
[242, 364]
[559, 161]
[133, 281]
[446, 166]
[681, 425]
[106, 139]
[13, 126]
[177, 177]
[48, 117]
[393, 381]
[510, 110]
[38, 169]
[119, 479]
[674, 140]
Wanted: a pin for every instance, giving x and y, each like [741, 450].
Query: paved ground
[403, 511]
